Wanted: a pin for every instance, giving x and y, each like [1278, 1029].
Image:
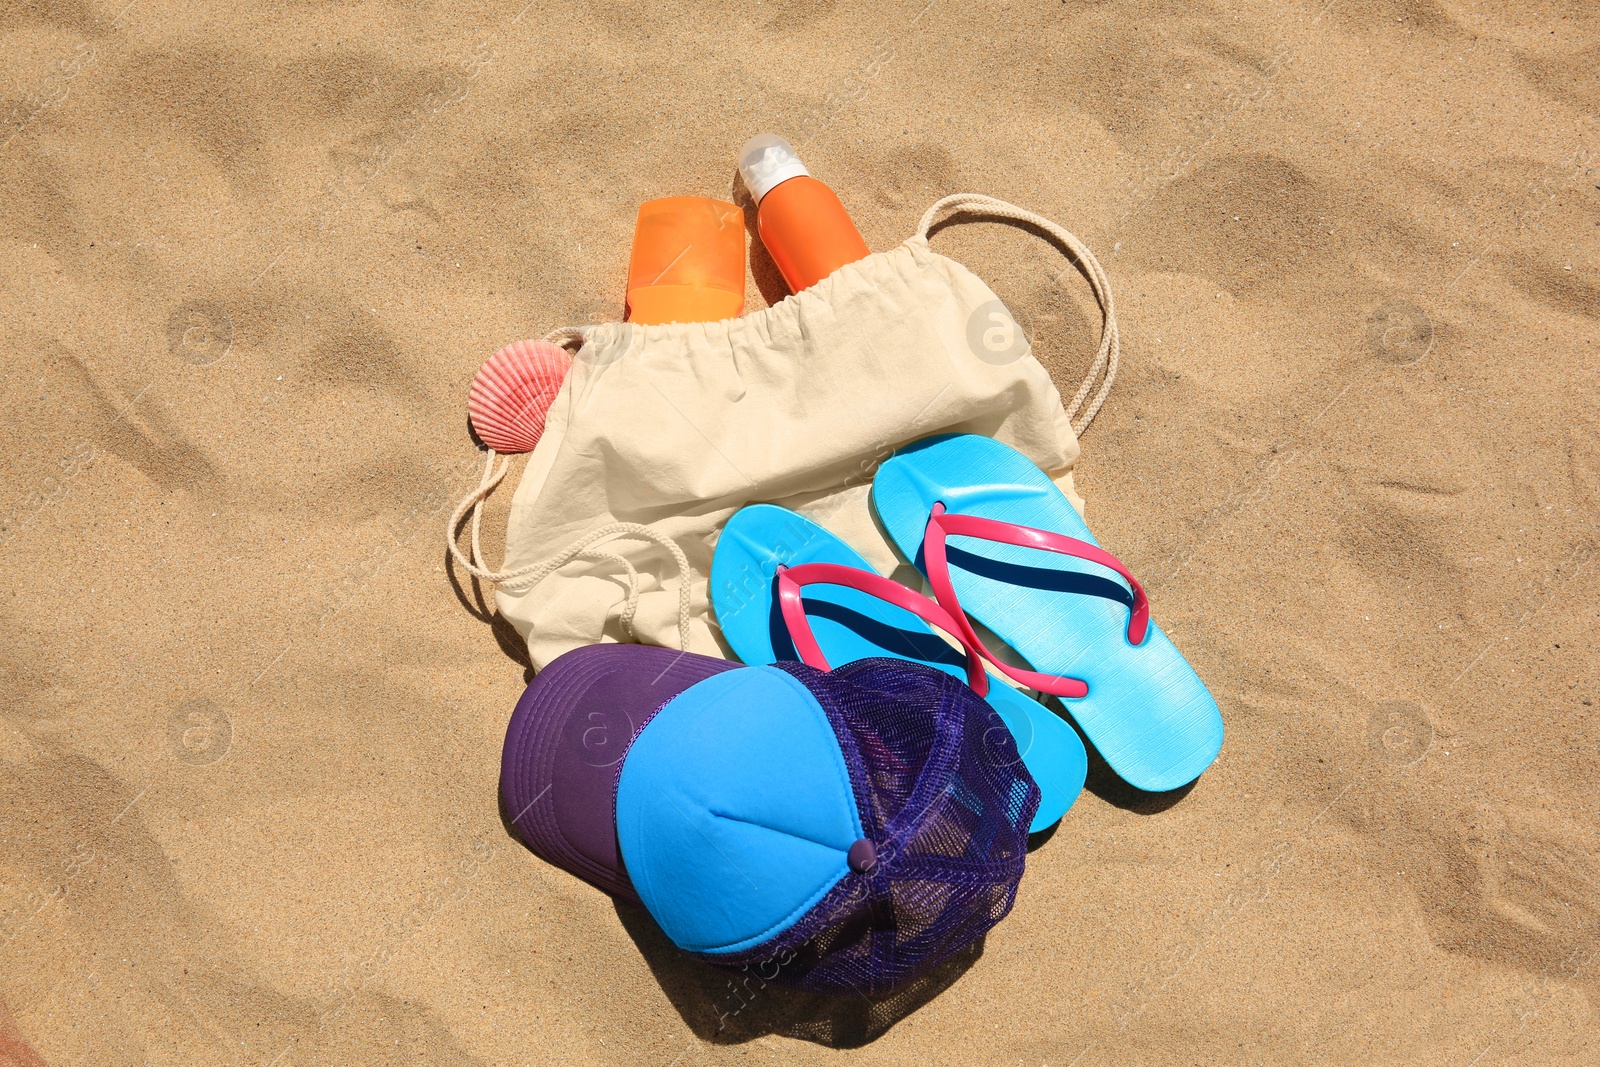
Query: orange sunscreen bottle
[805, 228]
[688, 261]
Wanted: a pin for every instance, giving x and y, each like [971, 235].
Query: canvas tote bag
[660, 433]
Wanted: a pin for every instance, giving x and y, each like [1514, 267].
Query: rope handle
[1105, 360]
[532, 574]
[562, 335]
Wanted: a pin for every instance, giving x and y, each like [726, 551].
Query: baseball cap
[845, 830]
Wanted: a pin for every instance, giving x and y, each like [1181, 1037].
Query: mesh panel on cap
[947, 802]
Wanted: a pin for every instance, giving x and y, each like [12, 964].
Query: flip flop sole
[1147, 712]
[851, 625]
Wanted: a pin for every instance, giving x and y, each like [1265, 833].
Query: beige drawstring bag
[660, 433]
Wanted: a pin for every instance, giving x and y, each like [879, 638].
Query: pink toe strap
[942, 525]
[791, 579]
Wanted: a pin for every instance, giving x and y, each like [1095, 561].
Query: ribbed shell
[513, 390]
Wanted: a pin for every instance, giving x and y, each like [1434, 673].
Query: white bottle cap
[765, 160]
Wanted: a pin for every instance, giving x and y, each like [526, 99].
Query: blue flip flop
[1001, 544]
[871, 617]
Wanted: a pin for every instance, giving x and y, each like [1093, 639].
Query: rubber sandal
[1000, 544]
[767, 554]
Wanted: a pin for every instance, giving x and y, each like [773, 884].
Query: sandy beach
[251, 256]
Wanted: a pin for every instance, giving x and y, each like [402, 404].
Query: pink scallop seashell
[513, 390]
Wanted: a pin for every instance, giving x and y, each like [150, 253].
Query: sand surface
[250, 256]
